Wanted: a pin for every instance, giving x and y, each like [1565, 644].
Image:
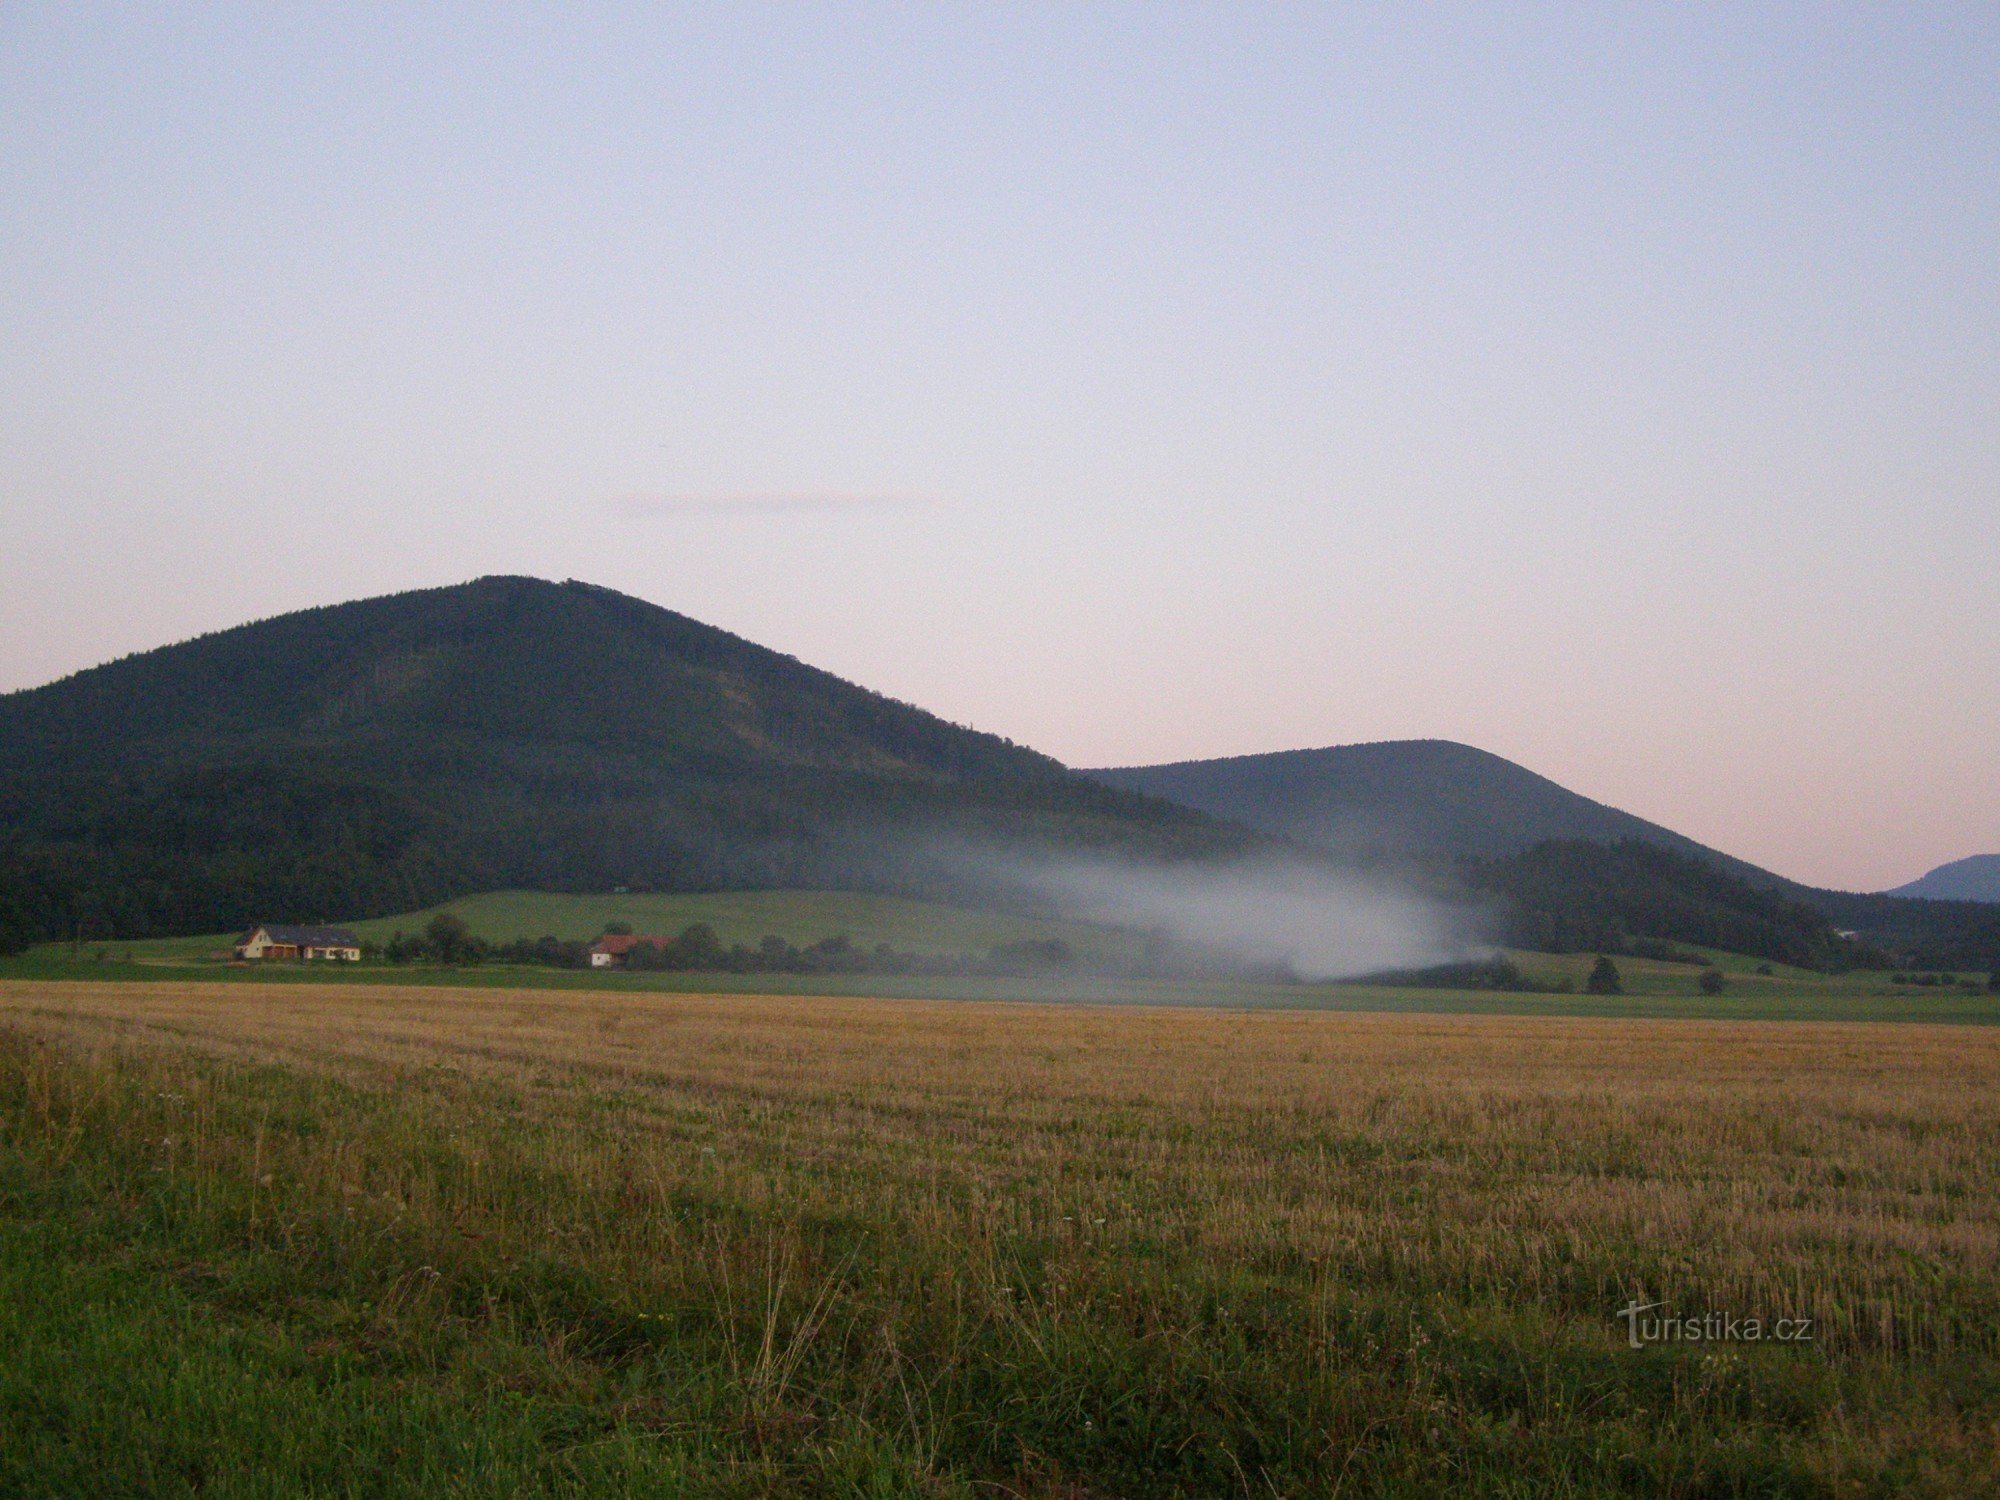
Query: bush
[1603, 978]
[1712, 982]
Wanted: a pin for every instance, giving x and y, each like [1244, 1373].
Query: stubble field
[351, 1239]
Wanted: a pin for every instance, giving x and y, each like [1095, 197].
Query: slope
[387, 754]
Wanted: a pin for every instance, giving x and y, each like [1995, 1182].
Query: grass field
[263, 1239]
[799, 917]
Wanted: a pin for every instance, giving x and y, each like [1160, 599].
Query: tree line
[447, 940]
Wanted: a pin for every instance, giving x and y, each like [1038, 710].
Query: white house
[276, 941]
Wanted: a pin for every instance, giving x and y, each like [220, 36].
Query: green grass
[157, 1343]
[105, 1343]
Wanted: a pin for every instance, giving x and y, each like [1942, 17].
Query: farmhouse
[609, 951]
[271, 940]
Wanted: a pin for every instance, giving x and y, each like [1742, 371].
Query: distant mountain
[1974, 879]
[1415, 798]
[383, 755]
[1572, 872]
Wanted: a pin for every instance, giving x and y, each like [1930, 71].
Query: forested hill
[381, 755]
[1573, 872]
[1415, 798]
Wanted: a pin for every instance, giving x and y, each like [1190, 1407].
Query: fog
[1322, 922]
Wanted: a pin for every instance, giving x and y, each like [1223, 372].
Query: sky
[1615, 388]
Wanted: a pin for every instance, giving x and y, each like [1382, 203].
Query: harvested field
[565, 1242]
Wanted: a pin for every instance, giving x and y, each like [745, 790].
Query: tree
[449, 940]
[617, 929]
[1603, 978]
[1711, 981]
[698, 946]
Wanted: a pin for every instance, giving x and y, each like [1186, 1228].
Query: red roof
[618, 944]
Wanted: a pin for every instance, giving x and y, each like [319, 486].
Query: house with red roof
[611, 950]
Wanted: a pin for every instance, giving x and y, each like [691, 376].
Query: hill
[392, 753]
[1402, 798]
[1567, 870]
[1973, 879]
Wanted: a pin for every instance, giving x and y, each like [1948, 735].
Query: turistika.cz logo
[1708, 1328]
